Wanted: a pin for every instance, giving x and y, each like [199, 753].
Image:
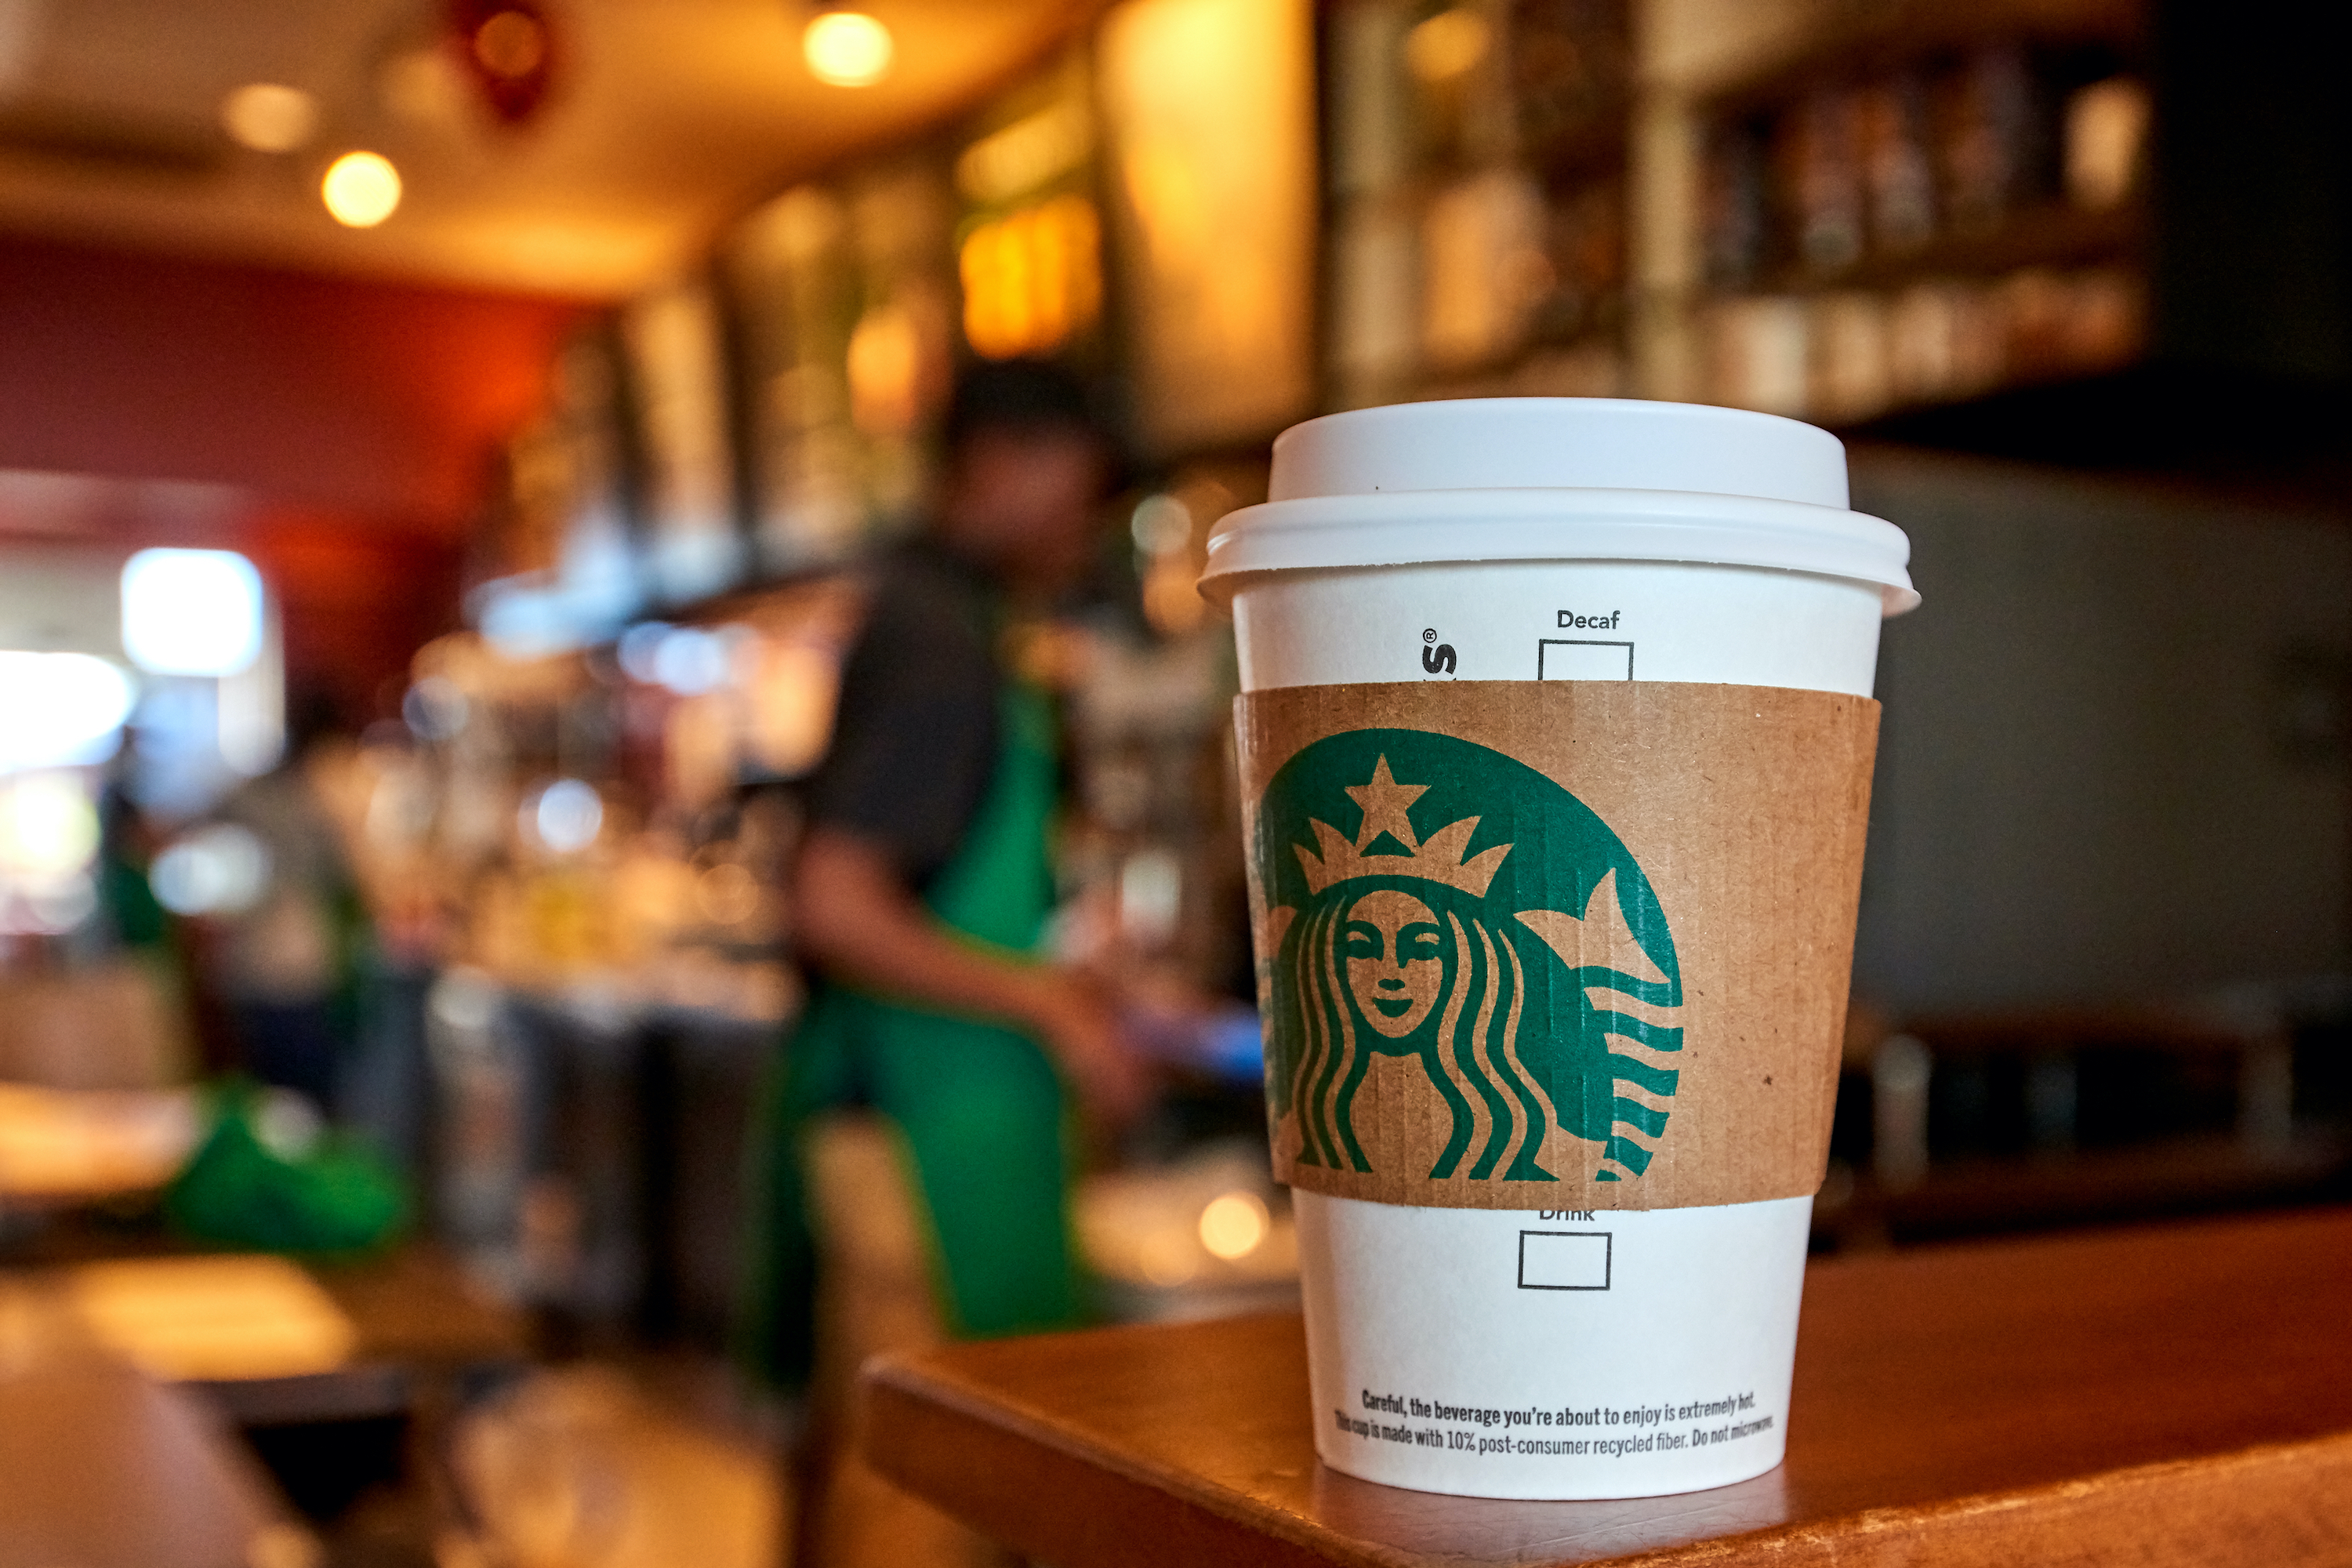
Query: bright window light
[190, 612]
[59, 709]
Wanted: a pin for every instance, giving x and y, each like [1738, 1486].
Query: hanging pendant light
[847, 48]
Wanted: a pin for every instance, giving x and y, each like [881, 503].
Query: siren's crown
[1385, 801]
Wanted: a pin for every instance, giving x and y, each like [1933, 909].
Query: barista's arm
[859, 922]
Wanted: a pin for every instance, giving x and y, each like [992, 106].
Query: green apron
[981, 1106]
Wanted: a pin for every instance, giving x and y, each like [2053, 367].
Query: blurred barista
[921, 893]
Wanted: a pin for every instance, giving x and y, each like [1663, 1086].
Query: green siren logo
[1479, 918]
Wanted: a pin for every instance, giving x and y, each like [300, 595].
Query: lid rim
[1445, 527]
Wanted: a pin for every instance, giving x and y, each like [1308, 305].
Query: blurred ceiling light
[269, 116]
[59, 709]
[510, 47]
[190, 612]
[510, 44]
[1446, 45]
[361, 189]
[847, 48]
[1234, 1225]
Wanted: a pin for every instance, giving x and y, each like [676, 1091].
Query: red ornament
[508, 47]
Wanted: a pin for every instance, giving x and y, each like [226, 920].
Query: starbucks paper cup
[1555, 742]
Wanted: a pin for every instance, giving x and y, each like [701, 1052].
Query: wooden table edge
[2271, 1503]
[2282, 1503]
[901, 1394]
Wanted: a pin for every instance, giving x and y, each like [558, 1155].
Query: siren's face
[1395, 952]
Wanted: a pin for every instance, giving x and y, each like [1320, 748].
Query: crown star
[1443, 858]
[1385, 802]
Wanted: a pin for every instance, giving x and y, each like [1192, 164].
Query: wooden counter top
[2174, 1394]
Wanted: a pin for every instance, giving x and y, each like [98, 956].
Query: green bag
[334, 1196]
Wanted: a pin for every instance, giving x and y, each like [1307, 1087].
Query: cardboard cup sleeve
[1554, 945]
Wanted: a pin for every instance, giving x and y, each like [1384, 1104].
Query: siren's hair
[1476, 1049]
[1500, 1109]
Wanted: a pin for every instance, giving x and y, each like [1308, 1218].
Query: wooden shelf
[2255, 436]
[2053, 235]
[1862, 39]
[2173, 1395]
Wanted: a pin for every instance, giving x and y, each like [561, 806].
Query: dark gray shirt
[913, 740]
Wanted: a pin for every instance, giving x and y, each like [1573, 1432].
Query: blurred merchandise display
[586, 815]
[1029, 252]
[557, 559]
[592, 844]
[1923, 210]
[1208, 108]
[843, 300]
[1476, 170]
[677, 374]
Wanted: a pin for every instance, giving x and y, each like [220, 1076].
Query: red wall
[359, 418]
[384, 398]
[353, 603]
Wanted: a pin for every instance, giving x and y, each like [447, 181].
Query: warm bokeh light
[1235, 1225]
[361, 189]
[510, 44]
[269, 116]
[1446, 45]
[886, 366]
[48, 829]
[847, 48]
[1026, 153]
[1032, 279]
[726, 894]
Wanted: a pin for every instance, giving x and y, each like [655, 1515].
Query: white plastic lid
[1558, 479]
